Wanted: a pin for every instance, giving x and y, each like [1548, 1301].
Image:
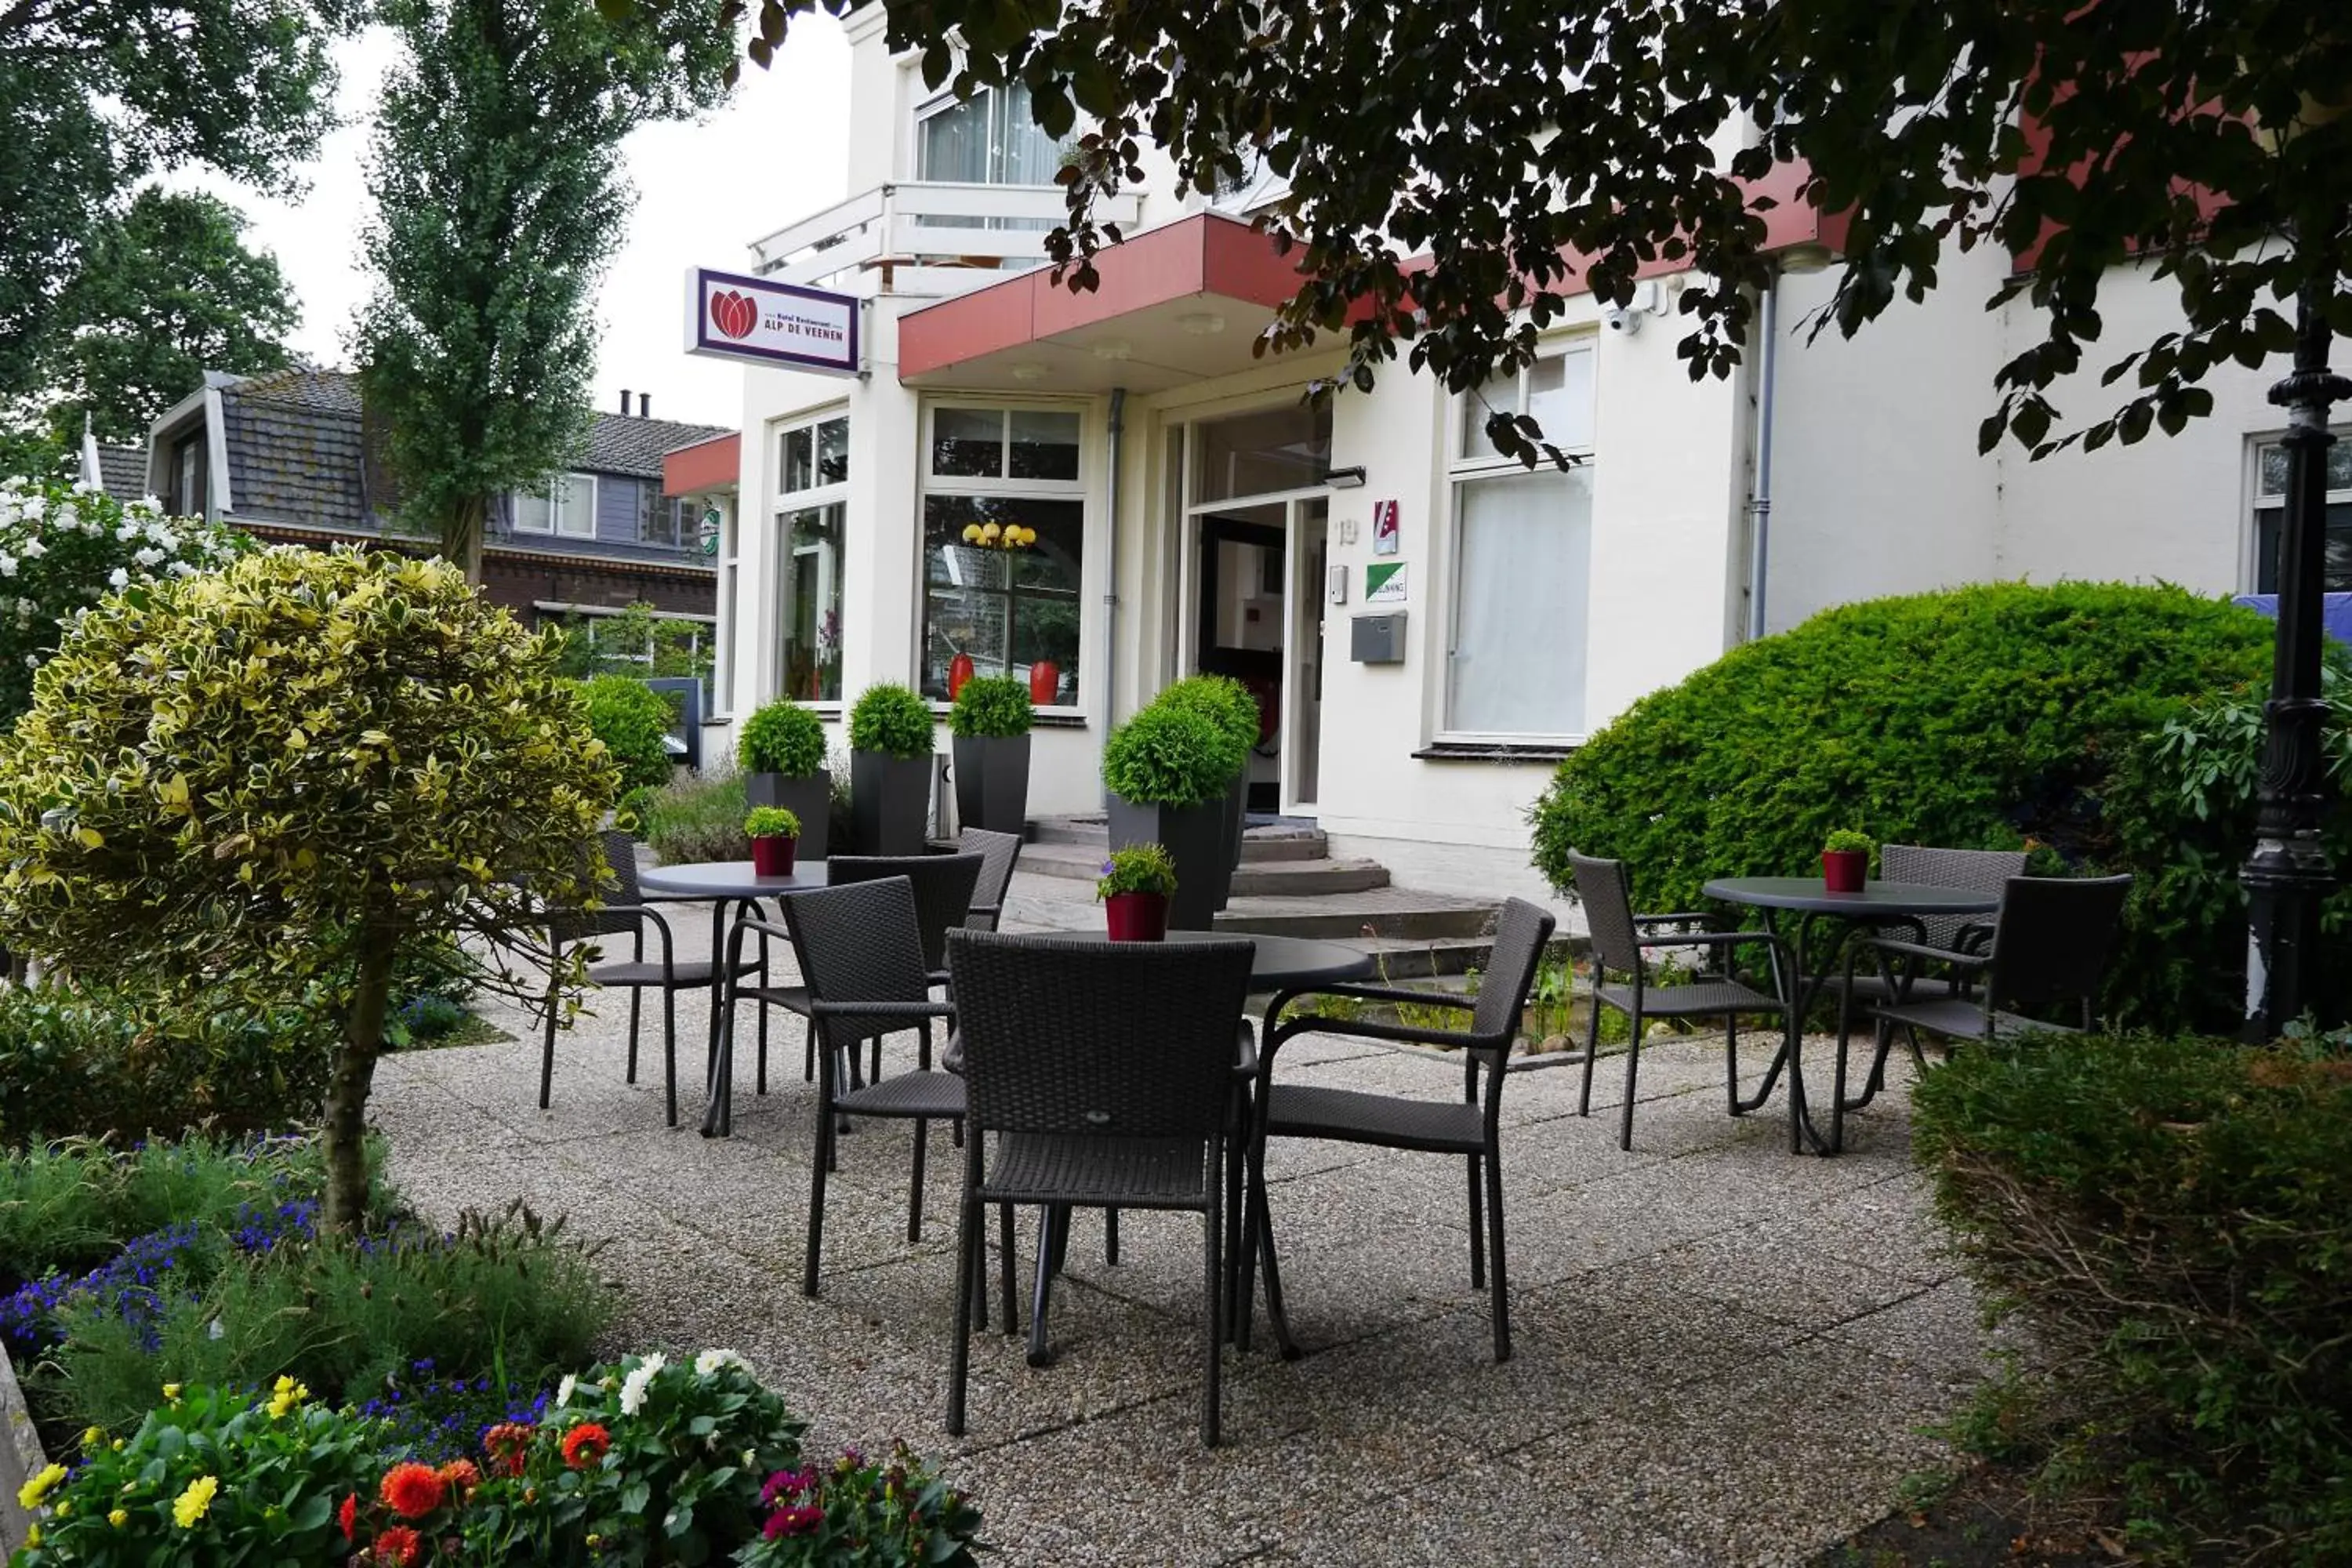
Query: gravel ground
[1725, 1354]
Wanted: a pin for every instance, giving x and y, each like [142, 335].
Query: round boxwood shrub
[1988, 717]
[1171, 754]
[1224, 701]
[782, 737]
[633, 720]
[991, 707]
[892, 720]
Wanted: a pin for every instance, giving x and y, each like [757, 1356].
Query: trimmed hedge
[782, 737]
[2173, 1216]
[1171, 754]
[892, 720]
[633, 720]
[1221, 698]
[995, 707]
[1988, 716]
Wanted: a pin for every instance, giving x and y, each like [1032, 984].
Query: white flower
[82, 487]
[119, 578]
[564, 1390]
[68, 515]
[148, 556]
[8, 565]
[127, 532]
[31, 661]
[634, 1386]
[181, 569]
[35, 548]
[709, 1361]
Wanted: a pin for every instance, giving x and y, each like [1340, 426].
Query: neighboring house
[1430, 627]
[288, 457]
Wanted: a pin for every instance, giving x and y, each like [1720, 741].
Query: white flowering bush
[64, 546]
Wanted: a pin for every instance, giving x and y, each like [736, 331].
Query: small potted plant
[1136, 884]
[781, 754]
[991, 721]
[891, 770]
[1167, 770]
[1846, 861]
[775, 835]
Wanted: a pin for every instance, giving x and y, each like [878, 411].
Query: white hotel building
[1193, 513]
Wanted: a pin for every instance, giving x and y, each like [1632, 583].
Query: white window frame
[783, 503]
[1464, 468]
[560, 511]
[937, 104]
[589, 615]
[1007, 488]
[2257, 503]
[688, 526]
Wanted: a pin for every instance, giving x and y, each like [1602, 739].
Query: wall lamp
[1345, 478]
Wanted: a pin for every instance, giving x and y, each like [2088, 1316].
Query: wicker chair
[1979, 871]
[1621, 938]
[1469, 1128]
[627, 914]
[859, 951]
[999, 853]
[1106, 1070]
[943, 887]
[2050, 948]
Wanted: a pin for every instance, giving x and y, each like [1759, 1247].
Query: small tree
[277, 776]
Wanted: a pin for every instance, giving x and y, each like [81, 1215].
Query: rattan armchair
[999, 854]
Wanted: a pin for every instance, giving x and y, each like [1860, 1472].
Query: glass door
[1302, 705]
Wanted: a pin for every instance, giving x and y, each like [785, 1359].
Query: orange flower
[461, 1476]
[398, 1544]
[585, 1445]
[508, 1444]
[348, 1517]
[413, 1490]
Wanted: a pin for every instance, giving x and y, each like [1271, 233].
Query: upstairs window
[564, 507]
[670, 523]
[987, 139]
[2270, 514]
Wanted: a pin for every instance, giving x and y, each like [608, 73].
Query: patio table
[723, 883]
[1288, 967]
[1799, 902]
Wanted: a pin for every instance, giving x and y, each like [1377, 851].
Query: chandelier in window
[999, 536]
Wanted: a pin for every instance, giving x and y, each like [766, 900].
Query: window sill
[1534, 752]
[1039, 718]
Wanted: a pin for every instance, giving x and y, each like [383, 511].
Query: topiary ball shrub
[1988, 717]
[891, 720]
[633, 720]
[1171, 754]
[2173, 1218]
[1222, 700]
[782, 737]
[993, 707]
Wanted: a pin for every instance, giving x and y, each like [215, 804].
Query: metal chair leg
[915, 1191]
[1212, 1289]
[1592, 1044]
[960, 1355]
[1502, 1295]
[1110, 1239]
[636, 1007]
[817, 1169]
[547, 1054]
[1633, 1069]
[1477, 1230]
[669, 1052]
[1009, 1269]
[1731, 1060]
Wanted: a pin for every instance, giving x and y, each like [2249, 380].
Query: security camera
[1621, 319]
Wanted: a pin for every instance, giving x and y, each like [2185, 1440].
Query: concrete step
[1286, 878]
[1267, 842]
[1392, 913]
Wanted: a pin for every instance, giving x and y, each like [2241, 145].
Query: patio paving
[1725, 1355]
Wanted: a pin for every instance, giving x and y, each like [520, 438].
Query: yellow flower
[172, 1391]
[286, 1397]
[89, 1439]
[33, 1538]
[64, 1507]
[29, 1495]
[118, 1519]
[195, 1503]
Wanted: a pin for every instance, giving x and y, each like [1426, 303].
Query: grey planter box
[991, 781]
[809, 798]
[1195, 838]
[890, 802]
[1236, 818]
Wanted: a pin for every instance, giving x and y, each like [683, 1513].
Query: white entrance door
[1302, 676]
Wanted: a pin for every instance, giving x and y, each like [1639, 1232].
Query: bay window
[1522, 560]
[1003, 548]
[812, 507]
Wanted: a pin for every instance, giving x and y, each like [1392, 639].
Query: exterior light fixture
[1028, 370]
[1113, 349]
[1350, 478]
[1810, 257]
[1202, 323]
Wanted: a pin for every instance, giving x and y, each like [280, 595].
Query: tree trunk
[347, 1090]
[462, 532]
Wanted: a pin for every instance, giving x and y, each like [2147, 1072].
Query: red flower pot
[1843, 870]
[1045, 682]
[959, 671]
[1137, 917]
[773, 855]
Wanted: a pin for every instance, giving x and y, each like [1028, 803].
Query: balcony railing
[924, 238]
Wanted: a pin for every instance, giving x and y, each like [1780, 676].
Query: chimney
[645, 404]
[625, 403]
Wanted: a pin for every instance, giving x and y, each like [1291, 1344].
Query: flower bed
[646, 1461]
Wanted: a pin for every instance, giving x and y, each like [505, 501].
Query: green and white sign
[1384, 582]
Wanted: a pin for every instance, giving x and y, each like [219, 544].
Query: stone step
[1267, 842]
[1286, 879]
[1389, 913]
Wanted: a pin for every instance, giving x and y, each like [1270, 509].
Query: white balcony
[925, 238]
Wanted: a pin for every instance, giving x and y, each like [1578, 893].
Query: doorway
[1258, 618]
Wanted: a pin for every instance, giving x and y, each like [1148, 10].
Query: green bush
[633, 720]
[697, 819]
[891, 720]
[2173, 1218]
[1225, 701]
[782, 737]
[1171, 754]
[1988, 716]
[995, 706]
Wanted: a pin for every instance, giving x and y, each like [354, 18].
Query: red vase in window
[1045, 682]
[959, 671]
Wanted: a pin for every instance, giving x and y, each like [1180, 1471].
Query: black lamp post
[2289, 873]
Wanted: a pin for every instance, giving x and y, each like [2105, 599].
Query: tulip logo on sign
[733, 313]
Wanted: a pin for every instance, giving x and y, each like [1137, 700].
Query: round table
[1807, 900]
[723, 883]
[1277, 963]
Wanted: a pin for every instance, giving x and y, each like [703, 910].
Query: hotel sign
[730, 316]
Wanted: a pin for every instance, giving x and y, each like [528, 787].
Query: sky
[773, 153]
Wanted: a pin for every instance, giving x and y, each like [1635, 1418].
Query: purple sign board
[730, 316]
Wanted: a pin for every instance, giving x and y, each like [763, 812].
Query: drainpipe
[1110, 598]
[1759, 496]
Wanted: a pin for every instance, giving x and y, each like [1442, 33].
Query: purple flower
[801, 1520]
